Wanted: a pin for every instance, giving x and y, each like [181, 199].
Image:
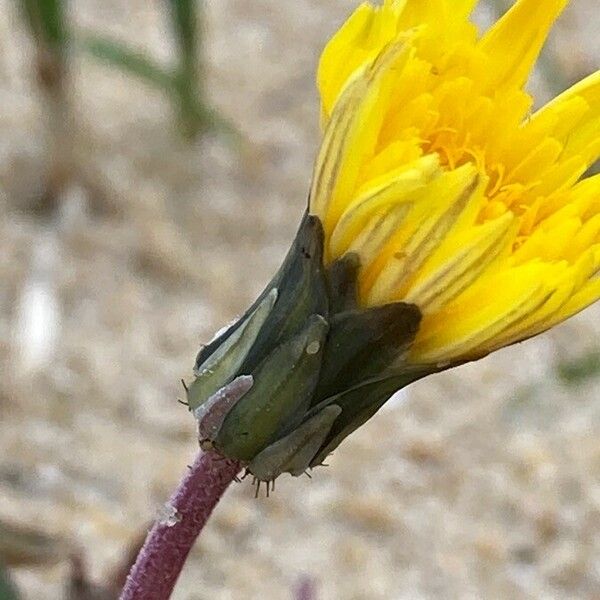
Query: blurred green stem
[577, 370]
[188, 77]
[8, 591]
[184, 82]
[47, 24]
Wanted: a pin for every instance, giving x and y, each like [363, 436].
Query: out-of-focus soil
[483, 482]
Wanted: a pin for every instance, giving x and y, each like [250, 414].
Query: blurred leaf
[135, 63]
[184, 14]
[183, 82]
[188, 83]
[24, 546]
[47, 20]
[8, 591]
[211, 120]
[575, 371]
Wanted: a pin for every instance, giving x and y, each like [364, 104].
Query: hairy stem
[159, 563]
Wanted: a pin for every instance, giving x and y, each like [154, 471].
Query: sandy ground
[480, 483]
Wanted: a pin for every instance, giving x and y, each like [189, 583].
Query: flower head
[445, 221]
[455, 197]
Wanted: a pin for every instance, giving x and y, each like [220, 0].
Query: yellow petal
[468, 325]
[460, 9]
[435, 210]
[351, 135]
[549, 242]
[536, 162]
[586, 195]
[588, 89]
[445, 17]
[588, 294]
[396, 187]
[358, 41]
[390, 158]
[585, 290]
[573, 118]
[587, 236]
[514, 42]
[460, 261]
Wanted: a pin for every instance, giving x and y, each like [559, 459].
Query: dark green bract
[316, 365]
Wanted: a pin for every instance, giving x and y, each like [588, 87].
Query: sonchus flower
[445, 220]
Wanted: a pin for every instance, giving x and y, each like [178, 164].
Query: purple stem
[157, 567]
[306, 589]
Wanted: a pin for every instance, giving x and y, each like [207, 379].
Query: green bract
[303, 368]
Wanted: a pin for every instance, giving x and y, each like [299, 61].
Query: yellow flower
[453, 194]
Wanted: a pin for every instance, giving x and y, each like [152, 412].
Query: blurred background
[154, 163]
